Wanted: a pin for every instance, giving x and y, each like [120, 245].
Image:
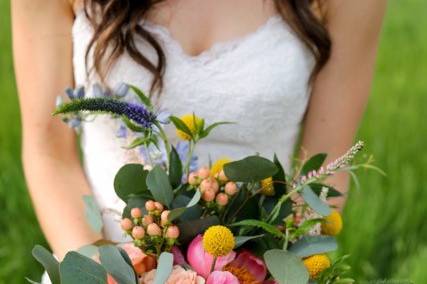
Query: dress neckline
[217, 48]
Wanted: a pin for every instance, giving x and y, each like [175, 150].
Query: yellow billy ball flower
[332, 224]
[267, 187]
[218, 241]
[192, 122]
[219, 165]
[315, 264]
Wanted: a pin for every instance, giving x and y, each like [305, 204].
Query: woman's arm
[43, 65]
[341, 89]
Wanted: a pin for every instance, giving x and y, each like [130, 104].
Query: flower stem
[165, 140]
[189, 158]
[213, 264]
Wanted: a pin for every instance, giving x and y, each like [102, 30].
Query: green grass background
[385, 229]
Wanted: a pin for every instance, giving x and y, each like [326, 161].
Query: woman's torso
[259, 81]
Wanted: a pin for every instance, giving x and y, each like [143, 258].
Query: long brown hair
[116, 25]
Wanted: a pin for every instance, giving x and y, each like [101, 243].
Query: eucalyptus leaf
[285, 267]
[190, 213]
[315, 202]
[250, 169]
[158, 184]
[164, 268]
[314, 163]
[79, 269]
[116, 265]
[190, 229]
[332, 192]
[177, 212]
[175, 168]
[88, 250]
[92, 213]
[130, 180]
[310, 245]
[49, 263]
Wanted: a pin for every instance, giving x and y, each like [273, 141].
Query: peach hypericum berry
[154, 230]
[151, 231]
[138, 232]
[136, 213]
[126, 224]
[221, 199]
[230, 188]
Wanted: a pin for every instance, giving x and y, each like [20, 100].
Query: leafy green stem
[189, 157]
[165, 140]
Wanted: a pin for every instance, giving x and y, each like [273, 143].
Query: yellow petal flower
[219, 165]
[192, 122]
[218, 241]
[267, 187]
[333, 224]
[315, 264]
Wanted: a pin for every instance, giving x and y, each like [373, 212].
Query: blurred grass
[384, 232]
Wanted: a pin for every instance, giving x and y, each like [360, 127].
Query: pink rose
[222, 277]
[178, 276]
[141, 262]
[201, 261]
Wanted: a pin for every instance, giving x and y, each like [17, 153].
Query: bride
[268, 65]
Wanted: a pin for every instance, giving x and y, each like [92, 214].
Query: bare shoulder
[75, 4]
[358, 16]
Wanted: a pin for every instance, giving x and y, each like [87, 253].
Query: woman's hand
[43, 64]
[341, 89]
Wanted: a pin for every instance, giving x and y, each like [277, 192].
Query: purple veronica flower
[136, 112]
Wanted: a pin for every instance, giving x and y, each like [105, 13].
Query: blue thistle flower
[151, 155]
[122, 131]
[121, 90]
[135, 112]
[77, 93]
[163, 116]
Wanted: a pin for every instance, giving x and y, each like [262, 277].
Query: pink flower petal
[178, 257]
[253, 264]
[201, 261]
[222, 277]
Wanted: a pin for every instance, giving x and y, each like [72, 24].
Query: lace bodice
[259, 81]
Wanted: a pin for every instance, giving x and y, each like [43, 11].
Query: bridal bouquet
[244, 221]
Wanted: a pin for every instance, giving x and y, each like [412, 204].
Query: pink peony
[201, 261]
[222, 277]
[178, 276]
[248, 266]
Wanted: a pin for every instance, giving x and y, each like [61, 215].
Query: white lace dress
[259, 81]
